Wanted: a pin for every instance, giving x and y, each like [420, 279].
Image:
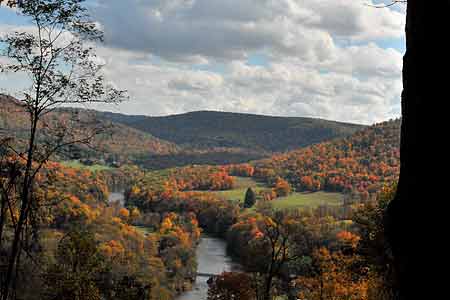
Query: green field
[296, 200]
[78, 165]
[240, 188]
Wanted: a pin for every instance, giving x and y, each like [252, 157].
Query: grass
[246, 182]
[298, 200]
[240, 188]
[294, 200]
[75, 164]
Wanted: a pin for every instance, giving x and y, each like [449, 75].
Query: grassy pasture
[75, 164]
[307, 199]
[294, 200]
[240, 188]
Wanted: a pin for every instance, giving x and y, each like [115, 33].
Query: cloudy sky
[333, 59]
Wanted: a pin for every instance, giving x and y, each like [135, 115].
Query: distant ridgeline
[203, 137]
[209, 137]
[211, 129]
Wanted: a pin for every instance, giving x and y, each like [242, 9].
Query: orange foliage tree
[282, 187]
[231, 286]
[334, 276]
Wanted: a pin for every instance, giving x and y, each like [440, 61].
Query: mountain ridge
[206, 129]
[198, 137]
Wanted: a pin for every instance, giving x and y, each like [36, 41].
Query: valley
[205, 137]
[218, 216]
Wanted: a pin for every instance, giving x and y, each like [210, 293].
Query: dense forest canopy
[209, 129]
[363, 162]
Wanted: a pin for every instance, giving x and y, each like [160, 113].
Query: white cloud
[323, 57]
[179, 30]
[356, 19]
[286, 87]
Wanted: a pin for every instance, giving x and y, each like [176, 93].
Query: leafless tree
[59, 60]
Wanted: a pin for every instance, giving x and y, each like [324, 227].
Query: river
[211, 259]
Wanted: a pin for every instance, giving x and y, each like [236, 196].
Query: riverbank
[211, 254]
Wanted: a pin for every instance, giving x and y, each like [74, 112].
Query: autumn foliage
[231, 286]
[148, 246]
[334, 276]
[116, 260]
[360, 164]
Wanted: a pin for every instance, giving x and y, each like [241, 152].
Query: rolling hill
[212, 129]
[117, 141]
[360, 164]
[204, 137]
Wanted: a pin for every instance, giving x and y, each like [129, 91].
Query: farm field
[240, 188]
[78, 165]
[294, 200]
[308, 199]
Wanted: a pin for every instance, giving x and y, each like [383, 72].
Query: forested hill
[118, 140]
[359, 164]
[203, 137]
[210, 129]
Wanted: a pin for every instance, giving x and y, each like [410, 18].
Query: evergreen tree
[250, 198]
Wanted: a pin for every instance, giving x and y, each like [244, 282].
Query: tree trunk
[3, 208]
[24, 209]
[268, 288]
[412, 217]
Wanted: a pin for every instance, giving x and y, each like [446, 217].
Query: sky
[332, 59]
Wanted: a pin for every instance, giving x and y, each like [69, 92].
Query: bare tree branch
[394, 2]
[62, 73]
